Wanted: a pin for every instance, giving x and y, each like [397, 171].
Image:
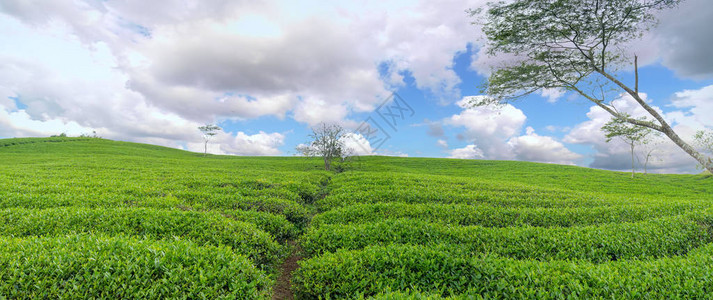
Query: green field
[93, 218]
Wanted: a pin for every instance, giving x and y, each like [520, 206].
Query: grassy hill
[100, 218]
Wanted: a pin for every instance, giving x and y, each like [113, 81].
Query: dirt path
[282, 288]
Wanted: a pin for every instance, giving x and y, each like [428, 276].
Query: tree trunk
[326, 164]
[205, 149]
[665, 128]
[704, 161]
[632, 159]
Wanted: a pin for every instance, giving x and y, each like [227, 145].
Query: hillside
[99, 218]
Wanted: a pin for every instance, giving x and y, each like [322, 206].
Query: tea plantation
[93, 218]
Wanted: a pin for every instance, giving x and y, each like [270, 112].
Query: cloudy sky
[266, 71]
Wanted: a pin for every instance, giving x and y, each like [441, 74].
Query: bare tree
[631, 134]
[573, 45]
[209, 130]
[650, 144]
[326, 142]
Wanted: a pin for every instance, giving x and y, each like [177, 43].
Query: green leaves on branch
[560, 43]
[619, 127]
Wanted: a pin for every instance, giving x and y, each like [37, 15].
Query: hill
[78, 209]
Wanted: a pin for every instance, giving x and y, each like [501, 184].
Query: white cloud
[534, 147]
[467, 152]
[683, 39]
[552, 95]
[264, 144]
[20, 124]
[698, 106]
[203, 61]
[357, 144]
[488, 127]
[495, 133]
[442, 144]
[257, 144]
[148, 71]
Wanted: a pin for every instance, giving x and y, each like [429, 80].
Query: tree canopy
[572, 45]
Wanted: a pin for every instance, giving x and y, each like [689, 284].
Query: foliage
[498, 216]
[616, 241]
[632, 134]
[562, 44]
[204, 228]
[571, 45]
[445, 270]
[93, 267]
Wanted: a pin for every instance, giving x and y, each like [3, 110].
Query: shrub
[86, 267]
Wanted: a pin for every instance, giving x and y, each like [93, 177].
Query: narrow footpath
[283, 286]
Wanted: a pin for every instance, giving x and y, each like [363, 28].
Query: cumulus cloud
[257, 144]
[357, 144]
[203, 61]
[20, 124]
[552, 95]
[683, 43]
[495, 133]
[467, 152]
[240, 143]
[695, 107]
[488, 127]
[534, 147]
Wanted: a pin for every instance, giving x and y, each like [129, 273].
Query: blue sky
[268, 71]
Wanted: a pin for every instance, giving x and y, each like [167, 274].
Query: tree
[633, 135]
[209, 130]
[326, 142]
[572, 45]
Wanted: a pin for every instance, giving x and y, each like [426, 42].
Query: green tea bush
[293, 211]
[490, 216]
[358, 187]
[616, 241]
[98, 267]
[276, 225]
[200, 227]
[441, 270]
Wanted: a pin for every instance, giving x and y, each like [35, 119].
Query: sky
[268, 71]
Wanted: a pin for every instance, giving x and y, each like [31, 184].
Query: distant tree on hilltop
[209, 130]
[631, 134]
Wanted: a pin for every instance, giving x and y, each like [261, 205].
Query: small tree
[651, 145]
[209, 130]
[631, 134]
[326, 142]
